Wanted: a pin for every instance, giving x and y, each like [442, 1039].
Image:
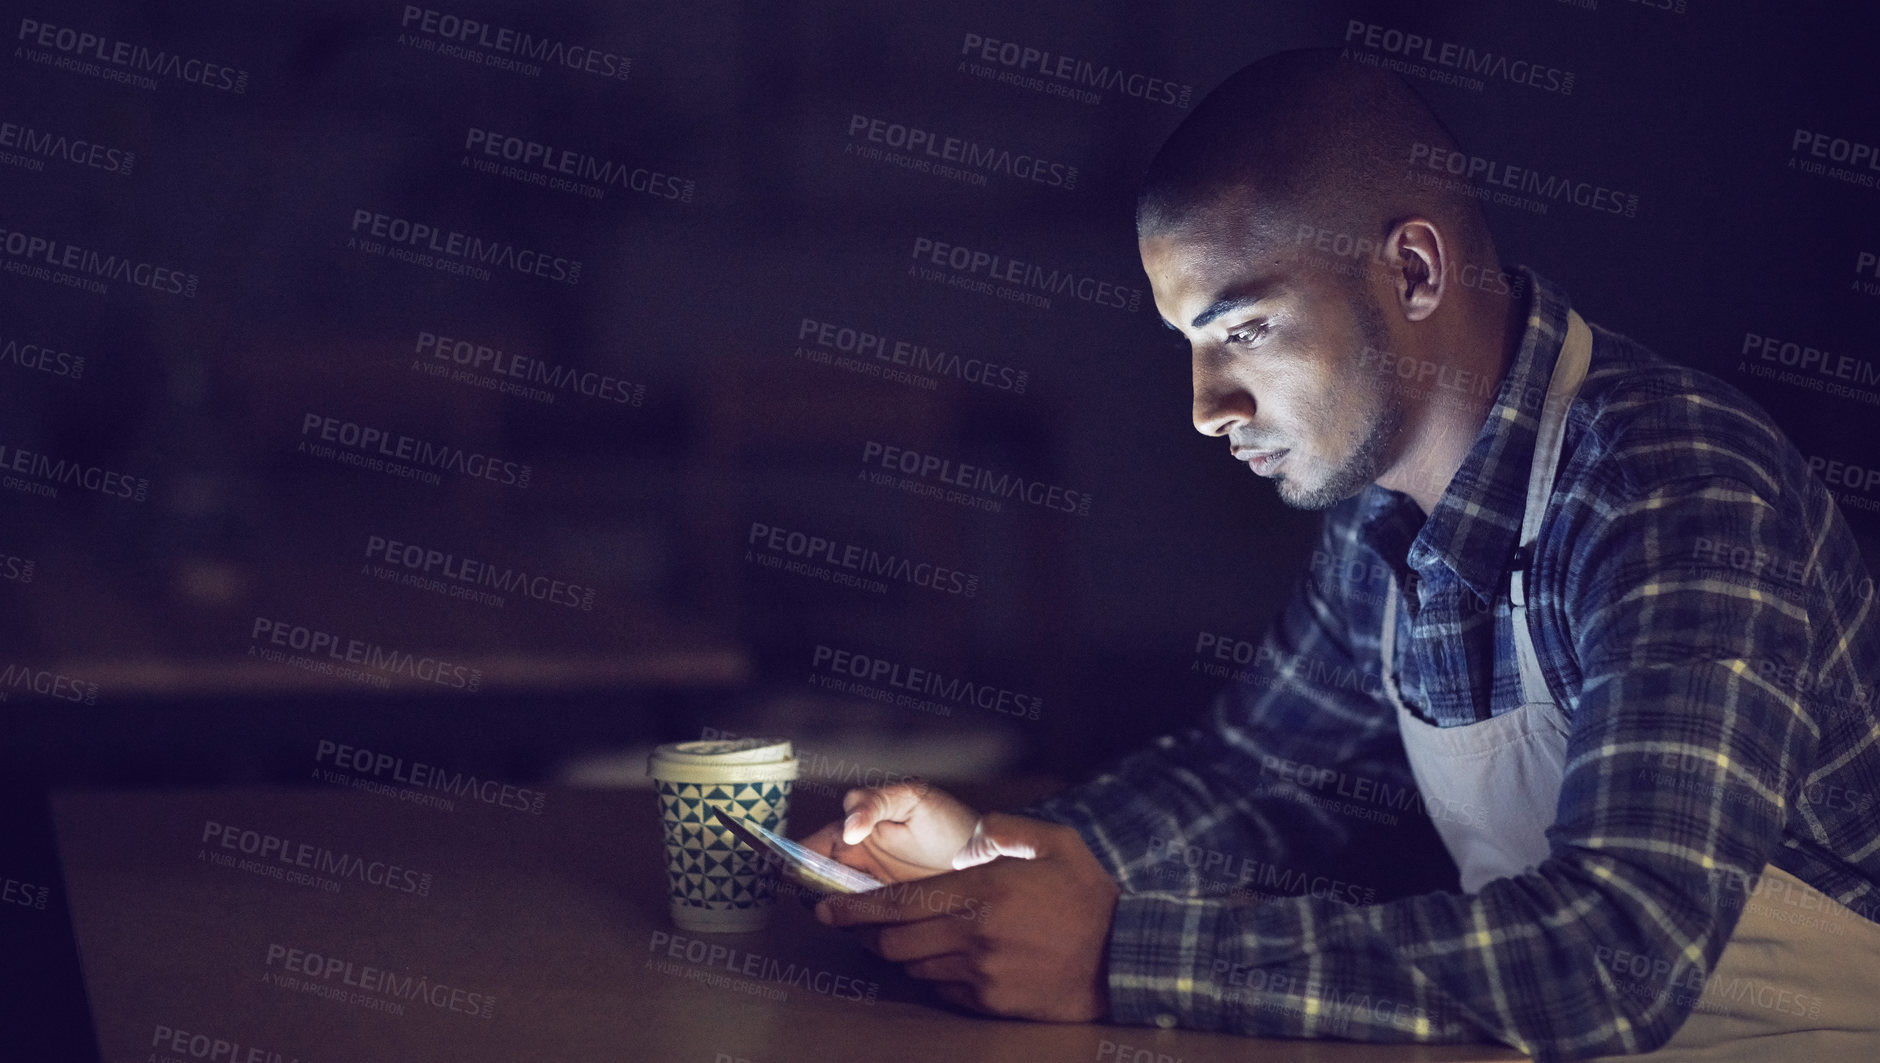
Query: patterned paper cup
[719, 883]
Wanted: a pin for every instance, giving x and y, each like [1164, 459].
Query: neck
[1441, 427]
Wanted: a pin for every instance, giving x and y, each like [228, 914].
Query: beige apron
[1800, 976]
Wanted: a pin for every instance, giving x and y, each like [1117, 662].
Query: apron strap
[1387, 647]
[1569, 371]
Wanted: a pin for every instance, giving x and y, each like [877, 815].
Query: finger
[998, 834]
[958, 895]
[894, 802]
[823, 840]
[858, 909]
[958, 994]
[791, 883]
[978, 849]
[923, 940]
[953, 967]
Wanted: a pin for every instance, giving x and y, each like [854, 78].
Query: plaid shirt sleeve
[1233, 804]
[1676, 649]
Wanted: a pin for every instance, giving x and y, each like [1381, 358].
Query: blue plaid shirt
[1704, 623]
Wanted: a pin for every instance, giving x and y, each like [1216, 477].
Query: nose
[1221, 404]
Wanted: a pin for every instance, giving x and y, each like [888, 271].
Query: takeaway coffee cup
[719, 883]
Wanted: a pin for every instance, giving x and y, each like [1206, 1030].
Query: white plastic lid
[726, 751]
[740, 760]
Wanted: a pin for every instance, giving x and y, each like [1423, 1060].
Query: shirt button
[1165, 1021]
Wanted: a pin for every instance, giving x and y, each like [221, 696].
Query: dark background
[152, 604]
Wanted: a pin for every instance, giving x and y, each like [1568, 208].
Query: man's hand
[897, 833]
[1024, 935]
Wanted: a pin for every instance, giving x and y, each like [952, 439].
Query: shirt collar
[1476, 524]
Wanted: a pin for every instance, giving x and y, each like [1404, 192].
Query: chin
[1305, 498]
[1315, 495]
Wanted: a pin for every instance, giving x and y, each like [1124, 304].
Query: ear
[1417, 256]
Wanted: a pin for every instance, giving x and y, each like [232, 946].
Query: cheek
[1321, 411]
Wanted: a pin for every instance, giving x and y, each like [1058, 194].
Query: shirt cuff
[1161, 953]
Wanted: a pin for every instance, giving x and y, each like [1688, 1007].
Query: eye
[1249, 334]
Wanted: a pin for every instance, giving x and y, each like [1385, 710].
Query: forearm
[1196, 812]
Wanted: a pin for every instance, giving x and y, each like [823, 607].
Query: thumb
[867, 807]
[997, 834]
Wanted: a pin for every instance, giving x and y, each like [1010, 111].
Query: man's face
[1277, 347]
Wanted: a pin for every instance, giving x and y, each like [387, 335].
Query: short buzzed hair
[1307, 137]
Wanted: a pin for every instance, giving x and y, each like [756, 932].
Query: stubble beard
[1366, 461]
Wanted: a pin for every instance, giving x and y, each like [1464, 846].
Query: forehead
[1230, 222]
[1212, 256]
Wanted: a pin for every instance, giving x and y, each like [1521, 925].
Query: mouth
[1262, 462]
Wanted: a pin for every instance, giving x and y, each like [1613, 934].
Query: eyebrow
[1248, 295]
[1225, 306]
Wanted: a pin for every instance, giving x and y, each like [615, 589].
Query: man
[1589, 606]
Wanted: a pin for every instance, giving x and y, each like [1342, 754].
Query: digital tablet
[813, 868]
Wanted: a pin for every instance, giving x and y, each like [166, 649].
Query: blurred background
[475, 383]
